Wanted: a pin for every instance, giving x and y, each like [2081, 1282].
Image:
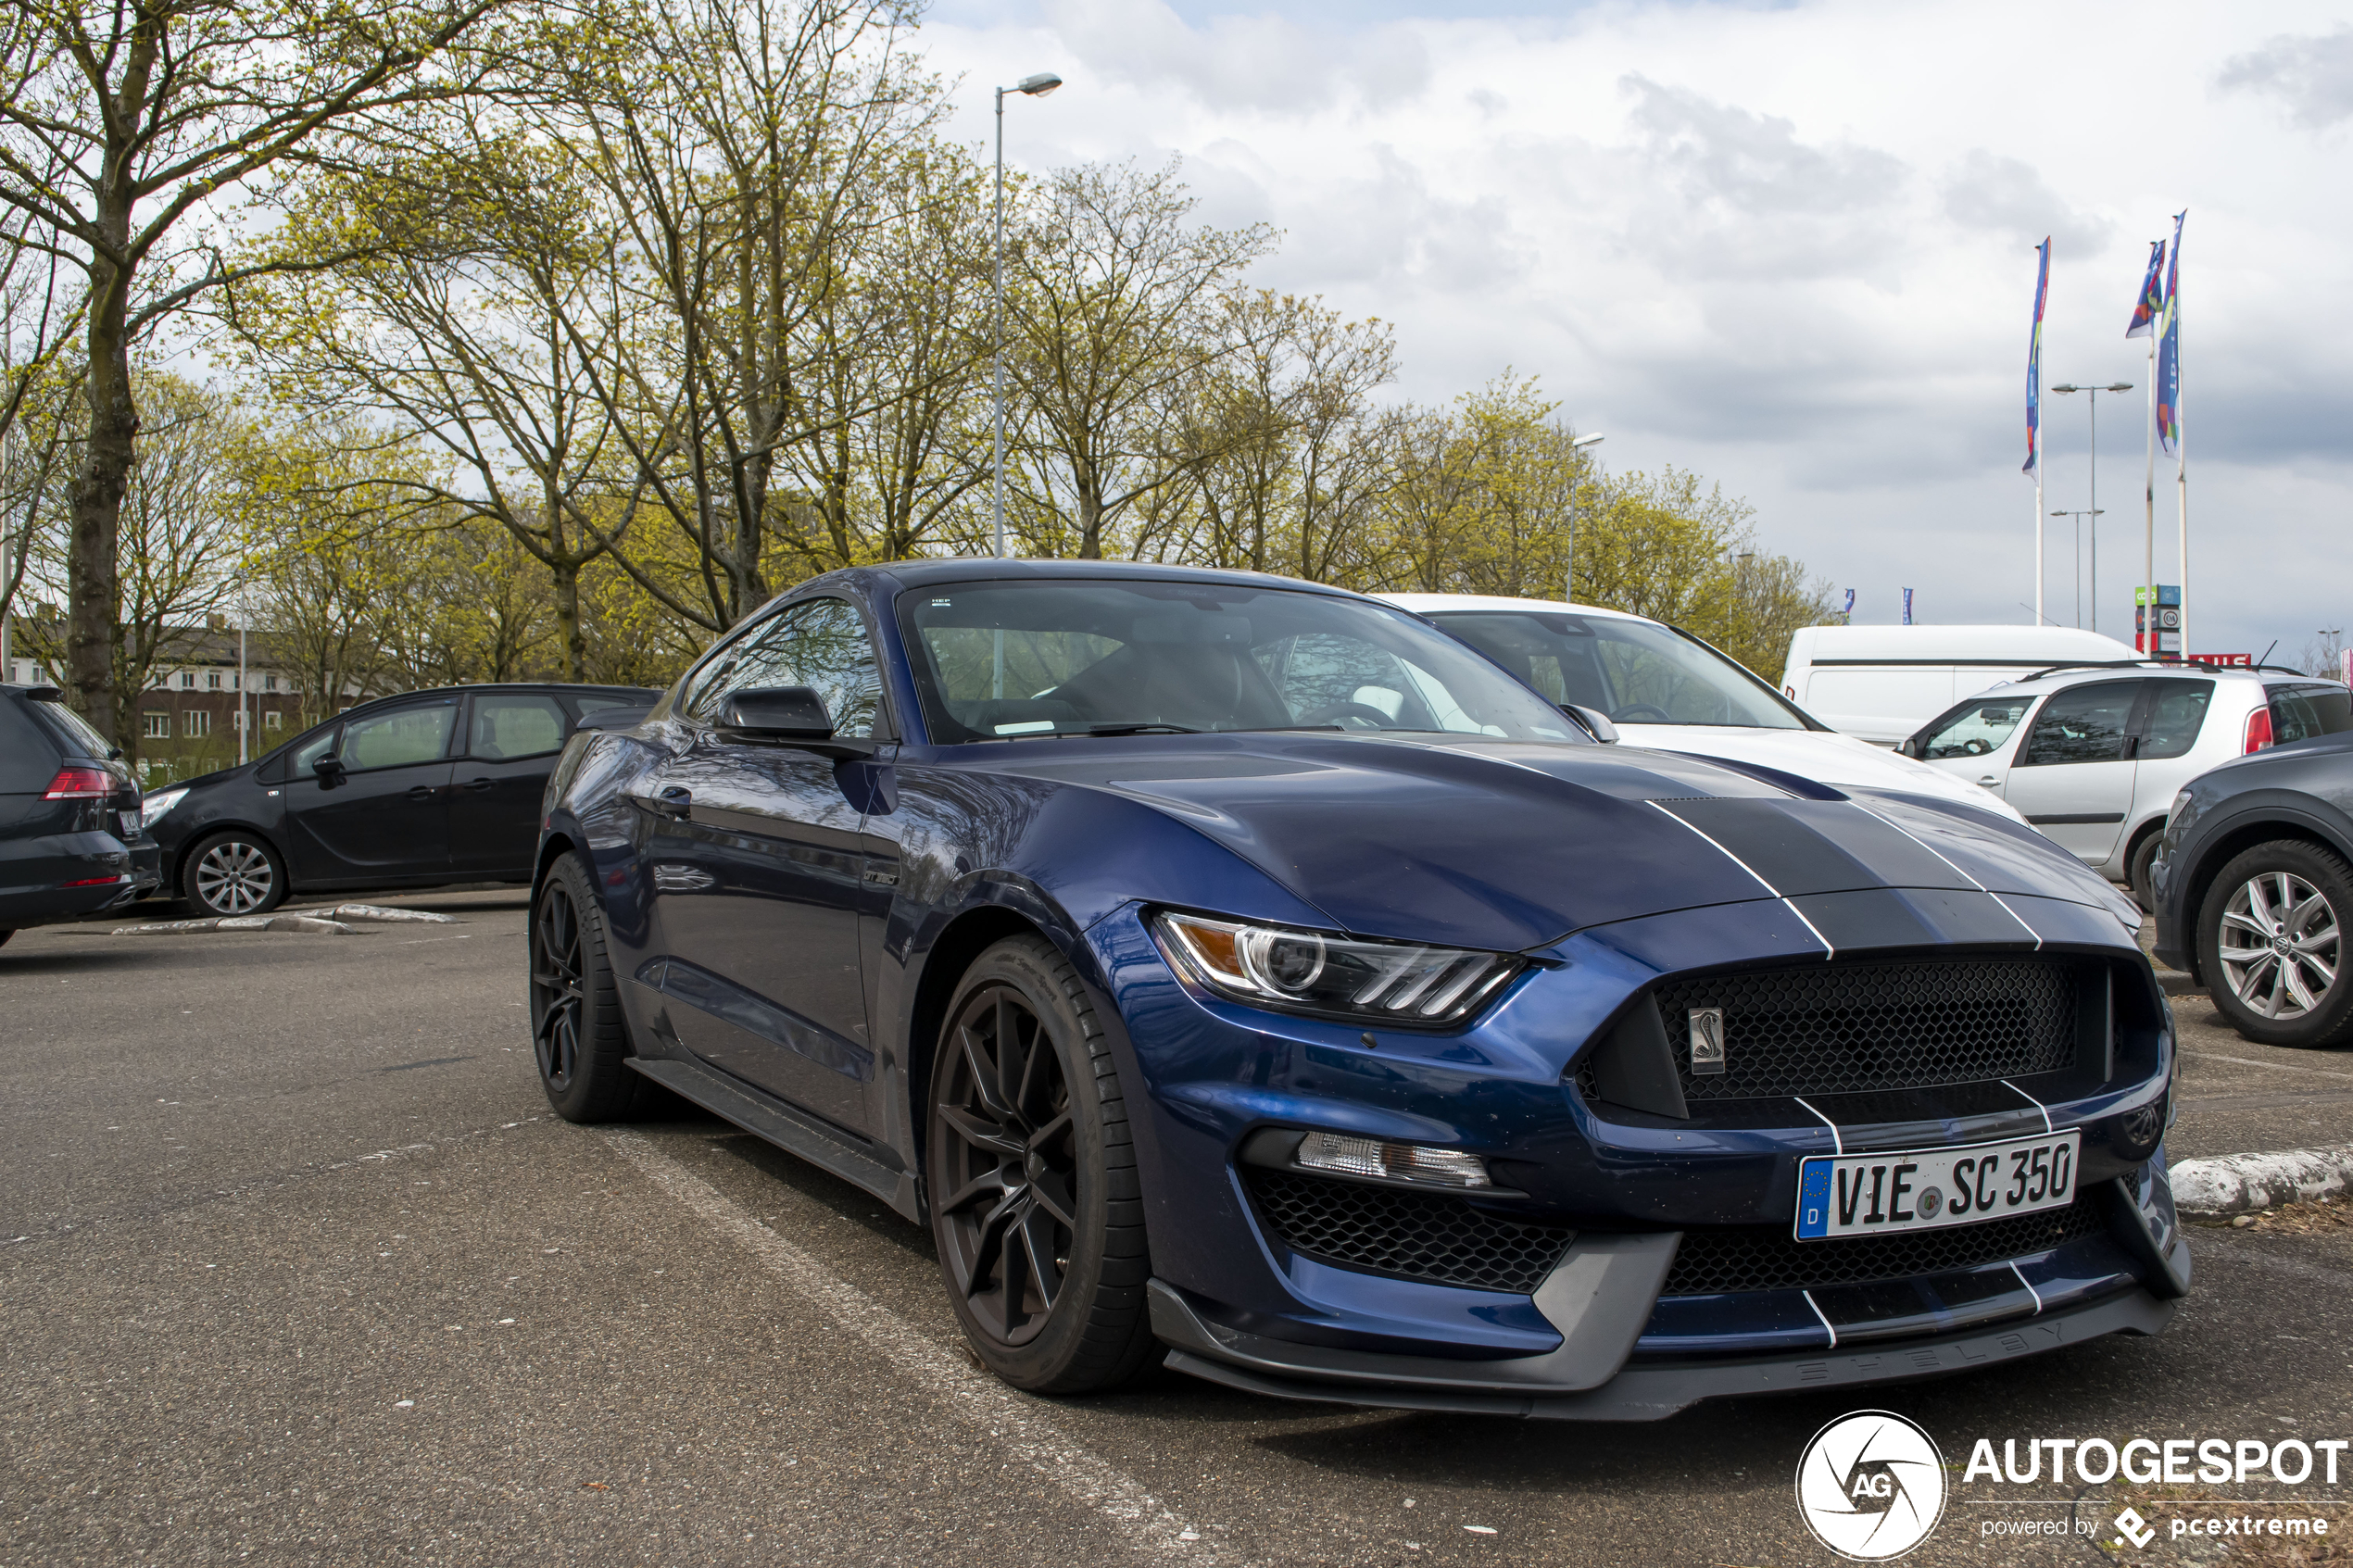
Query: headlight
[157, 804]
[1340, 976]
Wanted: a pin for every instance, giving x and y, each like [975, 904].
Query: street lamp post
[1035, 86]
[2079, 515]
[1568, 581]
[2092, 508]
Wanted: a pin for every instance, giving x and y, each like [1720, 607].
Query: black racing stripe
[1888, 918]
[1776, 840]
[1900, 859]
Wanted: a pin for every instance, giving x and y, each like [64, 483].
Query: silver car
[2094, 756]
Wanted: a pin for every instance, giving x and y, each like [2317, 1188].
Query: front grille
[1421, 1236]
[1843, 1028]
[1713, 1263]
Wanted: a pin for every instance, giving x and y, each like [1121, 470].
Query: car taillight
[2258, 729]
[81, 784]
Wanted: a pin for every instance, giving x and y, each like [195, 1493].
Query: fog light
[1398, 1161]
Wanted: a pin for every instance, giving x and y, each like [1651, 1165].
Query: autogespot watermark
[1872, 1485]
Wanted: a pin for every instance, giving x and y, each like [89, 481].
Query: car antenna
[2267, 654]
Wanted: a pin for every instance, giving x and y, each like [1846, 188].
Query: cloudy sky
[1791, 247]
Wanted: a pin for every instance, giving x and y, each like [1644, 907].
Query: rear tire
[2137, 869]
[235, 872]
[2271, 944]
[1037, 1209]
[577, 1031]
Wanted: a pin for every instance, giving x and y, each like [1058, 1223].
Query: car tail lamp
[2258, 729]
[1310, 972]
[1418, 1163]
[82, 784]
[97, 881]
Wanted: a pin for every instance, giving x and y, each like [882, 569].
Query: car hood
[1510, 845]
[1825, 755]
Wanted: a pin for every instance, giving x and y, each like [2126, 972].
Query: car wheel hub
[2280, 945]
[1010, 1172]
[233, 878]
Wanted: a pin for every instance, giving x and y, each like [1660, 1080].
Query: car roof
[2060, 680]
[1432, 604]
[965, 569]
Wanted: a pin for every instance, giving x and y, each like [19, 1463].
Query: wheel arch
[2226, 847]
[170, 878]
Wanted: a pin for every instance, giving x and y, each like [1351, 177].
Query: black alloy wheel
[2271, 945]
[576, 1028]
[1035, 1202]
[234, 873]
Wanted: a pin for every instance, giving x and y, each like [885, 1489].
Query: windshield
[1637, 672]
[999, 661]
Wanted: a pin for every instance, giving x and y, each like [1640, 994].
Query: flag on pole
[1848, 608]
[2151, 304]
[1908, 595]
[2168, 350]
[2034, 363]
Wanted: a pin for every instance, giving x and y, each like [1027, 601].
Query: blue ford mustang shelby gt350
[1244, 971]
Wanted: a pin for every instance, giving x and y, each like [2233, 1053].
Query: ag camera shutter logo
[1871, 1485]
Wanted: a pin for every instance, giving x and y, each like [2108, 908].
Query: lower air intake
[1716, 1263]
[1420, 1236]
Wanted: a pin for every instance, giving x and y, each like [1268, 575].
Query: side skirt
[792, 1132]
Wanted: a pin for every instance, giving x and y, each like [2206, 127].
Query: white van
[1882, 683]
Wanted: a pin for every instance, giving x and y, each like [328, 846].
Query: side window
[405, 735]
[2081, 724]
[2301, 712]
[822, 644]
[1974, 728]
[2176, 714]
[515, 725]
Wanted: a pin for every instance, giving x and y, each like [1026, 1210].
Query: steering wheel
[1348, 716]
[1977, 747]
[1642, 712]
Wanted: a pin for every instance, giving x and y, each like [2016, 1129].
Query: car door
[384, 815]
[511, 742]
[756, 865]
[2075, 773]
[1977, 740]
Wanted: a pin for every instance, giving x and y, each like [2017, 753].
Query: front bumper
[1621, 1336]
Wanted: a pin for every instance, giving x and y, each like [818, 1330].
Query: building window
[273, 720]
[269, 683]
[188, 680]
[195, 723]
[212, 679]
[158, 725]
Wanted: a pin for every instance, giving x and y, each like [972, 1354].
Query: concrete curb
[376, 914]
[2245, 1183]
[239, 922]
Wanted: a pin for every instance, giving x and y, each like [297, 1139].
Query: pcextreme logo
[1871, 1485]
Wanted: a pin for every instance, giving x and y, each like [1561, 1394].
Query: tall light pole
[2079, 515]
[2091, 508]
[1035, 86]
[1569, 583]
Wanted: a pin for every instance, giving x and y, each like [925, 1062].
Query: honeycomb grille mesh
[1843, 1028]
[1420, 1236]
[1711, 1262]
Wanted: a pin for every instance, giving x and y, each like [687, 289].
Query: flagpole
[2153, 645]
[2181, 424]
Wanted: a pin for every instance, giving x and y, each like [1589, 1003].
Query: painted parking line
[972, 1394]
[2275, 1066]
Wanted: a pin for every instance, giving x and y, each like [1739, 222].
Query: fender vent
[1420, 1236]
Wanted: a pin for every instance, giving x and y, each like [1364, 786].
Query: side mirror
[791, 716]
[1595, 723]
[329, 767]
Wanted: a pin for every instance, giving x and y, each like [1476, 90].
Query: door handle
[1989, 779]
[421, 791]
[480, 785]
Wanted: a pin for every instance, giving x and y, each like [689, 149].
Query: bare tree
[118, 123]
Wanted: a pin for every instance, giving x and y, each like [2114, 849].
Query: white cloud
[1791, 247]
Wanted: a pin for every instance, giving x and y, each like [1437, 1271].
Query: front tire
[577, 1033]
[234, 873]
[2136, 870]
[1037, 1209]
[2271, 943]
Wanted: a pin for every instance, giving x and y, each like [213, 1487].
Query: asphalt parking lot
[296, 1266]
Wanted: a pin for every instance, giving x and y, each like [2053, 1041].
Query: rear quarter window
[29, 756]
[2177, 712]
[2300, 712]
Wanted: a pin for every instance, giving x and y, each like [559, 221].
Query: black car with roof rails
[420, 790]
[70, 841]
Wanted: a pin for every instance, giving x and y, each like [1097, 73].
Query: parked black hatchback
[418, 790]
[71, 843]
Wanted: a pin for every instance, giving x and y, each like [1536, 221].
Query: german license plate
[1925, 1189]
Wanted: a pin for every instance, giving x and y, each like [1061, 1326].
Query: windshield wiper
[1147, 729]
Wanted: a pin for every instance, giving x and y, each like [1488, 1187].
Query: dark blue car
[1242, 972]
